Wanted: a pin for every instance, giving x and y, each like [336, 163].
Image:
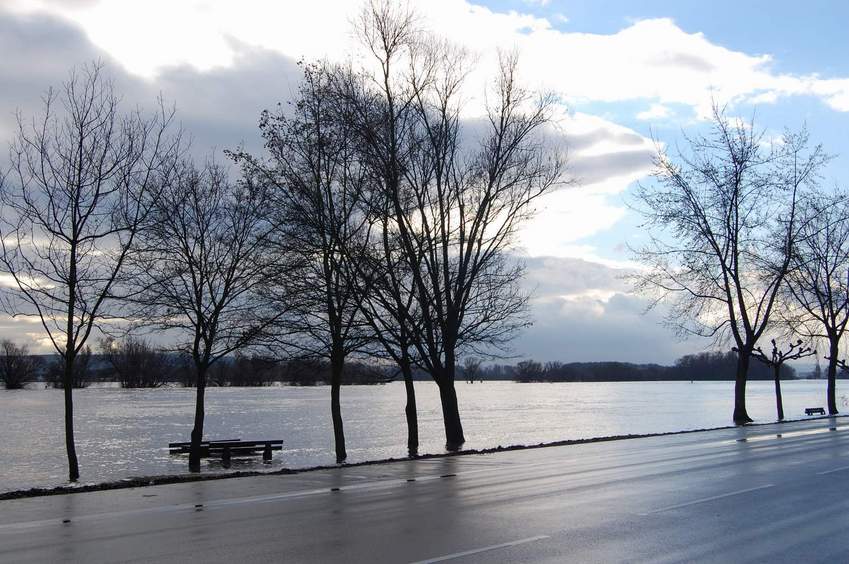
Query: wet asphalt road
[772, 493]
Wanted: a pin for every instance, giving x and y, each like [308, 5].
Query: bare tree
[200, 271]
[818, 281]
[135, 362]
[723, 220]
[82, 179]
[529, 371]
[317, 180]
[388, 306]
[81, 375]
[17, 366]
[471, 368]
[776, 360]
[453, 209]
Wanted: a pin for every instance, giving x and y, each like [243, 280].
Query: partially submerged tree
[452, 206]
[135, 362]
[529, 371]
[724, 221]
[82, 180]
[81, 375]
[388, 306]
[471, 368]
[17, 366]
[200, 271]
[315, 178]
[775, 360]
[818, 281]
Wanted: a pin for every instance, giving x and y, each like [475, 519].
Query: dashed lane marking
[707, 499]
[833, 470]
[482, 549]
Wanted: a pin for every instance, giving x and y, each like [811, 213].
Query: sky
[629, 74]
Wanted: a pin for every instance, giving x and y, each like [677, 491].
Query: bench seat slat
[237, 447]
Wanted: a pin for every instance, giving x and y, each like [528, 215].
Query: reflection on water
[122, 433]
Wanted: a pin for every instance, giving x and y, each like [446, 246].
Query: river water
[124, 433]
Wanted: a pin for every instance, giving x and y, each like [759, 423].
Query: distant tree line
[700, 366]
[137, 364]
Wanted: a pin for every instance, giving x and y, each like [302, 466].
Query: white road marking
[706, 499]
[482, 549]
[785, 435]
[841, 469]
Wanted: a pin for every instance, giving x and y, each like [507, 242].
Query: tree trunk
[337, 363]
[454, 438]
[831, 392]
[70, 446]
[741, 416]
[779, 404]
[197, 430]
[411, 411]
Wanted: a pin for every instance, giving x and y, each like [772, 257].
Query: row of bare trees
[744, 242]
[400, 227]
[376, 223]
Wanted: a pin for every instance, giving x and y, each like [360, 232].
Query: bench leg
[266, 453]
[225, 457]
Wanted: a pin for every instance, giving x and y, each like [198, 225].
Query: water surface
[123, 433]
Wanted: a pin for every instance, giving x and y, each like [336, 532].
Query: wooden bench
[813, 410]
[229, 448]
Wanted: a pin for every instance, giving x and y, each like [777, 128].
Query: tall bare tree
[389, 308]
[82, 180]
[723, 219]
[818, 281]
[316, 181]
[454, 206]
[201, 269]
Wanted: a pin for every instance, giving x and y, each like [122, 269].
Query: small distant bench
[229, 448]
[814, 410]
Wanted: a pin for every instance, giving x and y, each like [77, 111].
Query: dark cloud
[584, 311]
[687, 62]
[596, 168]
[218, 108]
[586, 140]
[221, 107]
[37, 52]
[554, 276]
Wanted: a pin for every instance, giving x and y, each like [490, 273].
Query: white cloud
[604, 159]
[655, 111]
[651, 59]
[585, 311]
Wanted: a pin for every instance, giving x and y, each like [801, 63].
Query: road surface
[774, 493]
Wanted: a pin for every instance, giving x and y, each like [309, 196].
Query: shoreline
[163, 479]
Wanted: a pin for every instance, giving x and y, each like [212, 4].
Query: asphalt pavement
[771, 493]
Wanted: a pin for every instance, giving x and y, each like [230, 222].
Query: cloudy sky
[627, 72]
